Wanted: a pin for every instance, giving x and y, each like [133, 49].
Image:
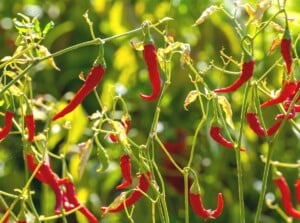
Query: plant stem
[238, 159]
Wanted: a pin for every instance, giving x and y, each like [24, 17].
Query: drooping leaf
[85, 149]
[205, 14]
[102, 156]
[190, 98]
[222, 100]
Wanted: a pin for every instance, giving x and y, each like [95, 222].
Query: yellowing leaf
[222, 100]
[274, 45]
[261, 7]
[85, 149]
[44, 52]
[205, 14]
[190, 98]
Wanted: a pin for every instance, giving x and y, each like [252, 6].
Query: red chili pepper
[271, 131]
[288, 90]
[199, 209]
[30, 124]
[215, 133]
[32, 166]
[22, 221]
[47, 176]
[150, 57]
[54, 184]
[297, 190]
[286, 197]
[8, 118]
[286, 52]
[92, 79]
[246, 74]
[144, 184]
[125, 165]
[72, 198]
[255, 125]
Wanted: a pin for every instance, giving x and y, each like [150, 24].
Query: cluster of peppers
[286, 95]
[63, 188]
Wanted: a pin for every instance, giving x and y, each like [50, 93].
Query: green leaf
[102, 156]
[36, 25]
[47, 28]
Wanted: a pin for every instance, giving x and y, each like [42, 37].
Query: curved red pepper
[70, 194]
[255, 125]
[215, 133]
[288, 90]
[286, 197]
[199, 209]
[144, 184]
[286, 52]
[8, 119]
[92, 79]
[30, 124]
[125, 165]
[150, 58]
[32, 166]
[46, 175]
[246, 74]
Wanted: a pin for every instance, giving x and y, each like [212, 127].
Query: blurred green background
[126, 72]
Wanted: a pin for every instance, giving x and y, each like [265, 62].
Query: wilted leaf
[205, 14]
[190, 98]
[117, 201]
[139, 46]
[120, 132]
[222, 100]
[261, 7]
[274, 45]
[277, 27]
[44, 52]
[185, 56]
[85, 149]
